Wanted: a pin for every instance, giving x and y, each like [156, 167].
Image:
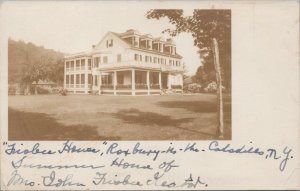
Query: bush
[176, 86]
[194, 88]
[12, 90]
[43, 90]
[212, 87]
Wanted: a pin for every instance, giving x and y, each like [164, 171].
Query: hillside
[21, 55]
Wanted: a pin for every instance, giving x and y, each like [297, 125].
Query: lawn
[92, 117]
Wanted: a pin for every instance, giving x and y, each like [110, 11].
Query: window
[96, 80]
[138, 78]
[155, 59]
[150, 58]
[89, 63]
[119, 58]
[96, 62]
[120, 79]
[82, 64]
[82, 80]
[109, 43]
[77, 78]
[72, 79]
[141, 58]
[136, 57]
[72, 64]
[77, 64]
[105, 59]
[67, 64]
[146, 58]
[90, 79]
[67, 79]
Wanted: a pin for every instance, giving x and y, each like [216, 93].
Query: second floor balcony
[138, 64]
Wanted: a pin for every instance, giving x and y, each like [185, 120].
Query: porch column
[86, 80]
[74, 82]
[94, 80]
[181, 80]
[100, 83]
[169, 81]
[133, 81]
[86, 74]
[159, 81]
[65, 80]
[148, 81]
[115, 82]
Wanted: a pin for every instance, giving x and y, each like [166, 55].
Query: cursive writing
[101, 178]
[269, 153]
[34, 150]
[51, 180]
[124, 165]
[214, 146]
[20, 163]
[17, 179]
[70, 147]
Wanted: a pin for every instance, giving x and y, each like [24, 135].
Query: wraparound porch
[132, 82]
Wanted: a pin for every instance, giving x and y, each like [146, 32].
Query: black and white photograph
[149, 95]
[153, 74]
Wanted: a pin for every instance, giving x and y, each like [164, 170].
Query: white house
[126, 63]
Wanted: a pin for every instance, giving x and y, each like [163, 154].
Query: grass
[91, 117]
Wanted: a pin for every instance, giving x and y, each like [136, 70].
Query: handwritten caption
[159, 162]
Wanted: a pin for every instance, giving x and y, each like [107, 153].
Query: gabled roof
[114, 34]
[126, 44]
[145, 50]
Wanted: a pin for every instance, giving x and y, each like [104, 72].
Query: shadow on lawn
[148, 118]
[135, 116]
[205, 107]
[201, 106]
[40, 126]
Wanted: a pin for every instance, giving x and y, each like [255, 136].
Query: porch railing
[107, 86]
[123, 87]
[176, 86]
[141, 86]
[155, 86]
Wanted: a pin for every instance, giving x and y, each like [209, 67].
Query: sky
[73, 27]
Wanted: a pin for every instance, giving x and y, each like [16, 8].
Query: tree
[56, 73]
[203, 25]
[211, 30]
[35, 71]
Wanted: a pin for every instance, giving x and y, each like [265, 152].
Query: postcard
[149, 95]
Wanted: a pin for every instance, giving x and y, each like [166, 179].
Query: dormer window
[109, 43]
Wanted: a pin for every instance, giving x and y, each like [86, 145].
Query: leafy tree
[56, 73]
[23, 56]
[36, 71]
[203, 25]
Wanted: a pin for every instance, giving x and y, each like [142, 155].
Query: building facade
[126, 63]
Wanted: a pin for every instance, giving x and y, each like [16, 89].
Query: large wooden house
[126, 63]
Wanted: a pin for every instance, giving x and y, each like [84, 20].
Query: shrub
[212, 87]
[43, 90]
[194, 88]
[12, 90]
[176, 86]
